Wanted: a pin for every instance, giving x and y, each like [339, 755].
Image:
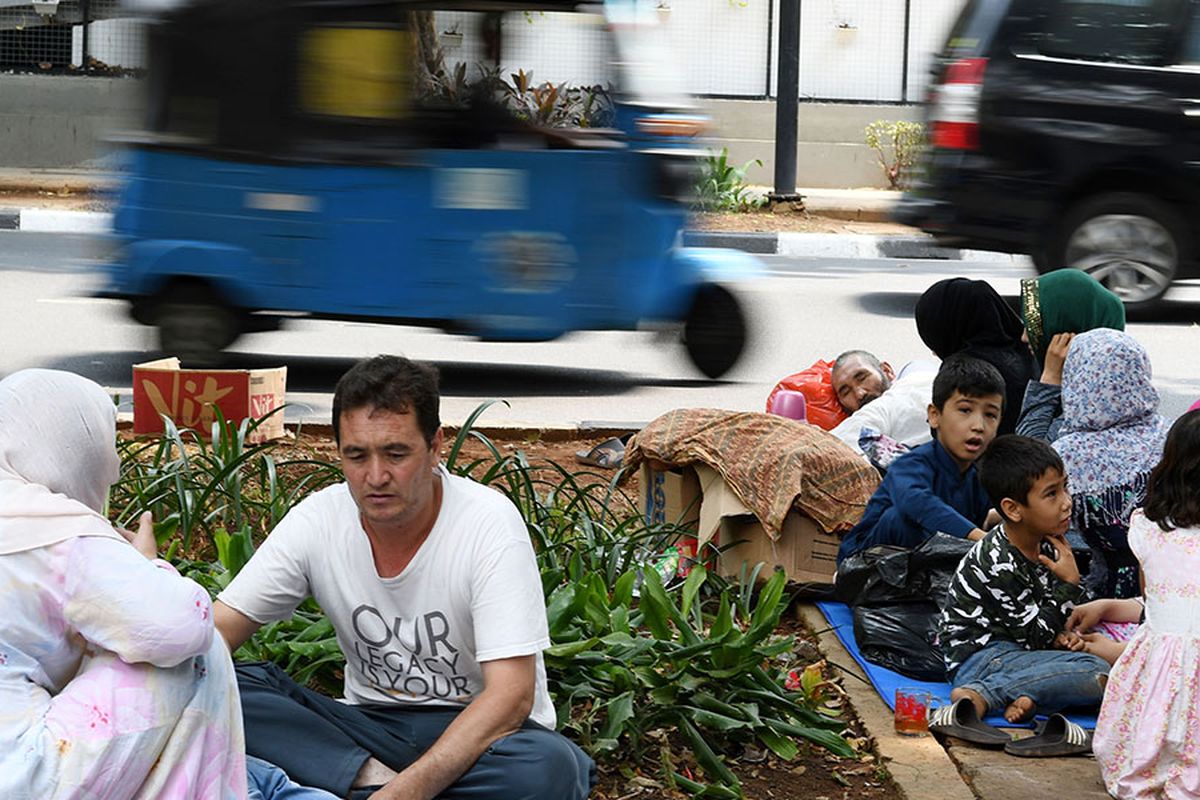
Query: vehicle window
[1123, 31]
[1190, 52]
[975, 27]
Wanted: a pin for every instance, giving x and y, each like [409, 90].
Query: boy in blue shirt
[935, 487]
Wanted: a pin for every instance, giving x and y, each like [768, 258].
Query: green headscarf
[1066, 301]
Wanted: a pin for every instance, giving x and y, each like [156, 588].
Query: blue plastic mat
[886, 681]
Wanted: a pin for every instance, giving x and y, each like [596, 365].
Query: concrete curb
[841, 245]
[51, 220]
[795, 245]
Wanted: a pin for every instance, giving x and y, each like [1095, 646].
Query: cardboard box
[189, 396]
[805, 552]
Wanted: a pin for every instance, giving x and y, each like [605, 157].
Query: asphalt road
[806, 309]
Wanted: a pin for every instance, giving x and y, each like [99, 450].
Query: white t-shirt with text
[472, 593]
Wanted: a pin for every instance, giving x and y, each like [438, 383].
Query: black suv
[1069, 130]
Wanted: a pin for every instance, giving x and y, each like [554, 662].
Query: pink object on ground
[790, 404]
[1194, 406]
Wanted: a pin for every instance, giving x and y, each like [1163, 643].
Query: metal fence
[850, 50]
[84, 37]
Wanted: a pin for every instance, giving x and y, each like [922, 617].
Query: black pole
[787, 101]
[85, 11]
[904, 67]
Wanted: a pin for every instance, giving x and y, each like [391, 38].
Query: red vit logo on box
[191, 397]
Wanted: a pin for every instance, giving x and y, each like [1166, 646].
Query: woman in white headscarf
[112, 684]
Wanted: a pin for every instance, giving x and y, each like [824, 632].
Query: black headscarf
[959, 315]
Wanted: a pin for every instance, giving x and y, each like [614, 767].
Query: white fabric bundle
[58, 458]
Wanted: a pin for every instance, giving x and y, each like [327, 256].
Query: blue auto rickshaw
[322, 158]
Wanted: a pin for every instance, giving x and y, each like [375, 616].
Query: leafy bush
[897, 144]
[631, 660]
[722, 186]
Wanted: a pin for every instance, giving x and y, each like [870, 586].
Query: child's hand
[143, 541]
[1100, 645]
[1063, 564]
[1087, 616]
[1056, 356]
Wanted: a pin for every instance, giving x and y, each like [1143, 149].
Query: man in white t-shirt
[433, 590]
[875, 397]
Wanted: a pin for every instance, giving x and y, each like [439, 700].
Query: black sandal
[1059, 737]
[961, 720]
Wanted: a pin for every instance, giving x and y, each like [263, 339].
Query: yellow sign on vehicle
[348, 71]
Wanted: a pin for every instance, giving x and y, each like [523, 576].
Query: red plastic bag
[816, 384]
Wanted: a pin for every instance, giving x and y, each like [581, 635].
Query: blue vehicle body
[521, 244]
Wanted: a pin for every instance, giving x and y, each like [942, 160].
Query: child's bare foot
[975, 697]
[1020, 710]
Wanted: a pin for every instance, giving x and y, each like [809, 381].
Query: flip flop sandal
[960, 720]
[609, 454]
[1060, 737]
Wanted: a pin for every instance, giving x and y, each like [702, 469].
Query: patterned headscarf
[1112, 434]
[58, 457]
[1066, 301]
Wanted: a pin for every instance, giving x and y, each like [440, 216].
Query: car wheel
[1131, 243]
[714, 331]
[195, 326]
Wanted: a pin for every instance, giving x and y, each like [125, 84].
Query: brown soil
[64, 199]
[785, 219]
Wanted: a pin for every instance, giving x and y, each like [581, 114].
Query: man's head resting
[859, 377]
[390, 383]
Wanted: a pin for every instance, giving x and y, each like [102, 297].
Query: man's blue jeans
[321, 742]
[1054, 679]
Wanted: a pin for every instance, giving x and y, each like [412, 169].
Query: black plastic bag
[887, 575]
[901, 638]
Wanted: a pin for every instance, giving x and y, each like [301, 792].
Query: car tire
[194, 325]
[1132, 243]
[715, 330]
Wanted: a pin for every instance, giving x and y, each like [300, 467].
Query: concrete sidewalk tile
[919, 765]
[995, 775]
[49, 220]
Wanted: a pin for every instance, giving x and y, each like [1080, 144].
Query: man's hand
[499, 710]
[1063, 564]
[143, 541]
[976, 534]
[1056, 356]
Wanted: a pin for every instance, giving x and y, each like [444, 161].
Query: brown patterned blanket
[770, 462]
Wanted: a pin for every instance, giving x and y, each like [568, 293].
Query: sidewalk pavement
[863, 205]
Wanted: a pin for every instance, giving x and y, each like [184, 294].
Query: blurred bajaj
[333, 158]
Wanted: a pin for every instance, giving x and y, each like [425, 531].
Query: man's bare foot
[373, 773]
[975, 697]
[1020, 710]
